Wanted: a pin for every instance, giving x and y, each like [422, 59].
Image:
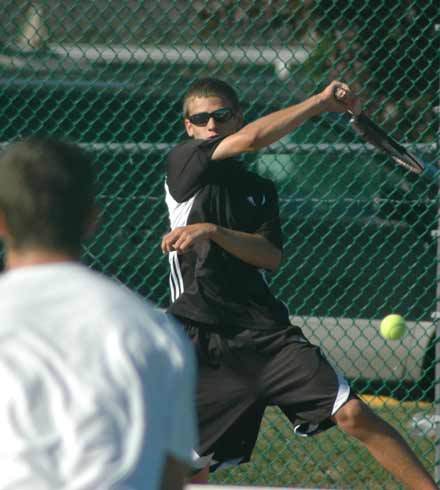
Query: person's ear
[189, 128]
[92, 223]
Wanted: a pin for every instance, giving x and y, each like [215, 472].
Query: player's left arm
[252, 248]
[261, 248]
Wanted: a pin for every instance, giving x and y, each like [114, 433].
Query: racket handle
[339, 93]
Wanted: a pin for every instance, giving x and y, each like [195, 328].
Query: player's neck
[25, 258]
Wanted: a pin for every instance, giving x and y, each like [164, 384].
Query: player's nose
[211, 123]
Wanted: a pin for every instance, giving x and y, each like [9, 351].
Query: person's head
[211, 108]
[46, 196]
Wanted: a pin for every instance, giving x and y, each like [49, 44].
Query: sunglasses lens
[200, 119]
[220, 115]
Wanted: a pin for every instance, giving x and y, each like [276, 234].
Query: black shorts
[241, 372]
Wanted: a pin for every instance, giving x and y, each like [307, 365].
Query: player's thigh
[225, 387]
[303, 383]
[234, 445]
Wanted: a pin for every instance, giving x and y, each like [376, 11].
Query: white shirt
[96, 387]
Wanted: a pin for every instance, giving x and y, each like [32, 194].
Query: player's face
[209, 117]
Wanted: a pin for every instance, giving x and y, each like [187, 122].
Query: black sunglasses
[220, 115]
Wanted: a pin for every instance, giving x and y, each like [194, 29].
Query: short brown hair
[46, 193]
[211, 87]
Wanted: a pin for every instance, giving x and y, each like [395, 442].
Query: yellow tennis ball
[393, 327]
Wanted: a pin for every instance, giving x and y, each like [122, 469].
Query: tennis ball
[393, 327]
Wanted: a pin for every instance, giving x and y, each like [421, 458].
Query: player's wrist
[212, 230]
[319, 104]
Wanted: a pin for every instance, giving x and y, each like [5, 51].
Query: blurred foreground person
[97, 386]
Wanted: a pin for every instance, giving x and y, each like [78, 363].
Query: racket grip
[338, 93]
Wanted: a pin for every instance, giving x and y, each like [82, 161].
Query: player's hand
[182, 238]
[338, 97]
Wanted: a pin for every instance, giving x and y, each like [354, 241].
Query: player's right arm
[272, 127]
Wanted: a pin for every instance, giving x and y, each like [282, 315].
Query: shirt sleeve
[270, 226]
[188, 167]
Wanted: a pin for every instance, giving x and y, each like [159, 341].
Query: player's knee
[354, 417]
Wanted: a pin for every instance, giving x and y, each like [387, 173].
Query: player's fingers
[345, 96]
[334, 96]
[163, 245]
[168, 241]
[183, 243]
[341, 92]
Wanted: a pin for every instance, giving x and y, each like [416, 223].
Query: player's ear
[188, 127]
[92, 223]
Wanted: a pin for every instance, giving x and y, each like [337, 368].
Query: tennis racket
[376, 136]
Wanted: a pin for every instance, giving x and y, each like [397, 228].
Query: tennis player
[225, 232]
[97, 386]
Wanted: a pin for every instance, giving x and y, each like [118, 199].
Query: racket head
[376, 136]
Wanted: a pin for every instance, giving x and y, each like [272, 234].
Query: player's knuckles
[178, 245]
[185, 235]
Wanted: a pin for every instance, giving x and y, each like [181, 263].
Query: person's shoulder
[183, 147]
[143, 325]
[112, 294]
[106, 293]
[128, 310]
[191, 145]
[198, 143]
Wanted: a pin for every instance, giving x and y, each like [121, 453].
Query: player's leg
[228, 415]
[229, 446]
[300, 380]
[308, 390]
[384, 443]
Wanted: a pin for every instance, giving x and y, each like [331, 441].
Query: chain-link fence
[360, 234]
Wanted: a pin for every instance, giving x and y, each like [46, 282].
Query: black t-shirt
[208, 284]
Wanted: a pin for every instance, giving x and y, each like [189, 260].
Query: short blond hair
[211, 87]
